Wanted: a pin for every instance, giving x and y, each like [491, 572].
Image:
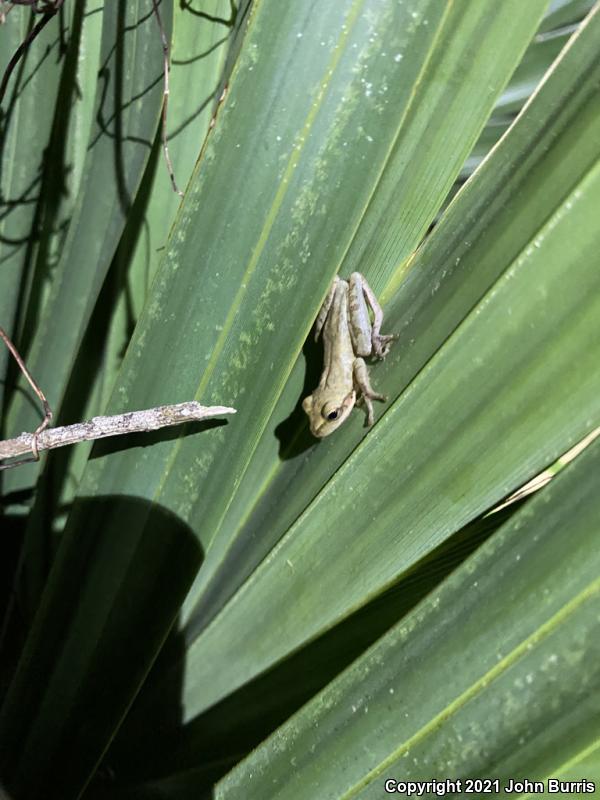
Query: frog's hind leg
[324, 310]
[367, 394]
[359, 320]
[380, 343]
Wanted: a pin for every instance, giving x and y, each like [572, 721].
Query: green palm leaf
[117, 152]
[490, 676]
[28, 128]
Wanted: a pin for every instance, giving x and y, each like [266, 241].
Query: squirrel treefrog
[348, 336]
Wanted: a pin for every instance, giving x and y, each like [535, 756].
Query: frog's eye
[329, 411]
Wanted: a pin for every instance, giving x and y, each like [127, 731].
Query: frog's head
[327, 411]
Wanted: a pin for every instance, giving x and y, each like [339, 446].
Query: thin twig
[100, 427]
[166, 70]
[42, 397]
[48, 12]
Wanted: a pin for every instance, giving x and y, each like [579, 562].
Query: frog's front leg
[361, 379]
[361, 294]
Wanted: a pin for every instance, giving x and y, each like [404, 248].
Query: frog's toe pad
[381, 344]
[376, 396]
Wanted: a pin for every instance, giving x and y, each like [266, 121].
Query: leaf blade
[399, 711]
[280, 486]
[420, 431]
[116, 157]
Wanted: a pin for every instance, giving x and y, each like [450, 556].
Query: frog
[349, 336]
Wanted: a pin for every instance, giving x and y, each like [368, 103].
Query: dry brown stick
[100, 427]
[166, 69]
[42, 397]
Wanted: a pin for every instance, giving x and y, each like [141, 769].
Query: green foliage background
[234, 609]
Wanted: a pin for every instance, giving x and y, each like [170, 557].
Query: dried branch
[42, 397]
[166, 91]
[100, 427]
